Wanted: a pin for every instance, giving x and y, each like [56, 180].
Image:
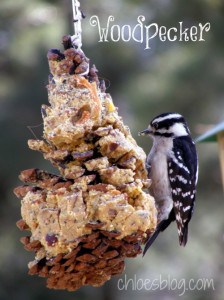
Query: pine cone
[84, 222]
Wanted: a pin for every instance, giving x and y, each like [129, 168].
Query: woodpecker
[172, 166]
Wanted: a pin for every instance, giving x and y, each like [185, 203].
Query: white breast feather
[160, 188]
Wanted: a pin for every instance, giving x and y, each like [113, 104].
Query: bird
[172, 166]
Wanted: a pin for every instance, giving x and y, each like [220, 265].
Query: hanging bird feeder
[216, 134]
[83, 223]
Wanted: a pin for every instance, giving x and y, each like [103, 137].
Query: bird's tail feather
[150, 240]
[183, 237]
[160, 227]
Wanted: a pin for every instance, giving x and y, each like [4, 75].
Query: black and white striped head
[168, 125]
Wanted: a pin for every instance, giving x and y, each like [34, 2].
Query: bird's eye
[155, 125]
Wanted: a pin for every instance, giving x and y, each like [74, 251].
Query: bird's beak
[145, 132]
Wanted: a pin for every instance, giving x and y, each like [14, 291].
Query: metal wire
[77, 17]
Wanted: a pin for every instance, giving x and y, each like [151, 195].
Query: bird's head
[167, 125]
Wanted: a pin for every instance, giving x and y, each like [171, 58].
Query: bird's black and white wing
[183, 173]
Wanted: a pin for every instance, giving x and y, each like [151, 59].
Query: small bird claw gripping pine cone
[84, 222]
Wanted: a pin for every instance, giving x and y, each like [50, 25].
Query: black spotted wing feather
[182, 171]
